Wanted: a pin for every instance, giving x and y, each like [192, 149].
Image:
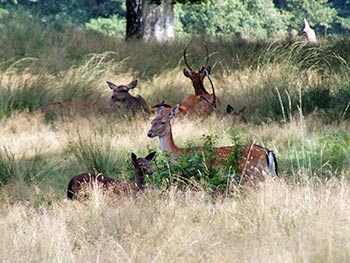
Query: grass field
[297, 98]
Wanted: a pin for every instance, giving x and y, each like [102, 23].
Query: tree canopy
[249, 18]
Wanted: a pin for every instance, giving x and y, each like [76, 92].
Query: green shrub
[198, 167]
[113, 26]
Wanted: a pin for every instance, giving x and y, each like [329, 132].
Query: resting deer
[256, 163]
[201, 103]
[238, 116]
[197, 78]
[122, 100]
[141, 168]
[193, 104]
[80, 107]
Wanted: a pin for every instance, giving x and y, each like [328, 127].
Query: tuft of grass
[94, 153]
[8, 166]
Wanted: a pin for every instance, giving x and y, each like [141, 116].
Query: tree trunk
[158, 20]
[133, 19]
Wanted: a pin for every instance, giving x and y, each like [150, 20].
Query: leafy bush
[113, 26]
[199, 168]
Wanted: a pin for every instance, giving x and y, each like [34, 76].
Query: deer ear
[150, 156]
[132, 84]
[111, 85]
[229, 109]
[242, 110]
[160, 110]
[133, 158]
[187, 73]
[208, 69]
[173, 112]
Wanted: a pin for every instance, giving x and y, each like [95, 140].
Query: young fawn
[238, 116]
[257, 162]
[142, 166]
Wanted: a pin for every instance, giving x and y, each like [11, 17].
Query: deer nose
[150, 134]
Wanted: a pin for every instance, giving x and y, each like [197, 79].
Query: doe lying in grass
[238, 116]
[122, 100]
[141, 165]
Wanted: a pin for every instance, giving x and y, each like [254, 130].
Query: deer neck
[167, 144]
[199, 88]
[139, 179]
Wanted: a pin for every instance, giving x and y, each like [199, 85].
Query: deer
[122, 100]
[197, 78]
[142, 167]
[238, 116]
[197, 105]
[201, 103]
[310, 33]
[256, 161]
[78, 106]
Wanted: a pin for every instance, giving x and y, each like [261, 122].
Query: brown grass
[279, 223]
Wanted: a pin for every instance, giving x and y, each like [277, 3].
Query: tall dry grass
[295, 105]
[279, 223]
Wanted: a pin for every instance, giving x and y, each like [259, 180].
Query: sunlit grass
[296, 105]
[279, 223]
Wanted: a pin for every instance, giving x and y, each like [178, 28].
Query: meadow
[297, 98]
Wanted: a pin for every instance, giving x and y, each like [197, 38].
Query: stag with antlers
[257, 162]
[201, 103]
[197, 78]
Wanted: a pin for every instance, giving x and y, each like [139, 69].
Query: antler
[214, 96]
[188, 66]
[207, 52]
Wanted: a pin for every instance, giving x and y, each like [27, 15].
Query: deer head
[238, 116]
[197, 77]
[121, 97]
[142, 165]
[122, 100]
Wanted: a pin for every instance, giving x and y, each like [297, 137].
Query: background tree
[248, 19]
[161, 19]
[158, 18]
[133, 19]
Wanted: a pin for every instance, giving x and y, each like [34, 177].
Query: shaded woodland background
[169, 19]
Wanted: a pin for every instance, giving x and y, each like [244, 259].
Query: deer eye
[163, 122]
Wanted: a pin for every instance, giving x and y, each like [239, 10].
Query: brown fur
[256, 162]
[238, 116]
[201, 103]
[122, 100]
[86, 180]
